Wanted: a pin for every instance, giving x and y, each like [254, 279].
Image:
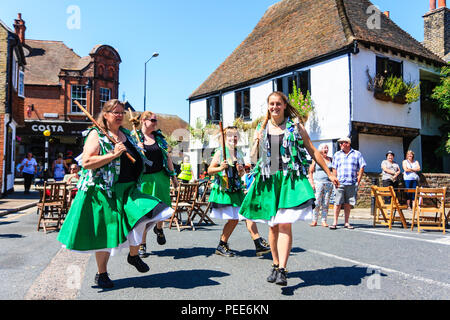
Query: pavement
[18, 200]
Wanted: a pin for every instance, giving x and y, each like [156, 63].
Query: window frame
[387, 60]
[241, 113]
[210, 113]
[298, 77]
[21, 84]
[83, 101]
[102, 102]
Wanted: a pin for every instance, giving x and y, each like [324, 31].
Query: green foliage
[304, 105]
[396, 87]
[442, 94]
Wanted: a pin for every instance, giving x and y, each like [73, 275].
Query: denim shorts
[345, 194]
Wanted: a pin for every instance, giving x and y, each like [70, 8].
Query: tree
[442, 94]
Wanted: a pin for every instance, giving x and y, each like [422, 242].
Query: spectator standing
[28, 167]
[348, 166]
[58, 168]
[390, 171]
[322, 186]
[410, 168]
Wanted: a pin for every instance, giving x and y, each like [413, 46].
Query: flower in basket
[303, 104]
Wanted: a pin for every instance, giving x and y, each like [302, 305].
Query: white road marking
[444, 240]
[387, 270]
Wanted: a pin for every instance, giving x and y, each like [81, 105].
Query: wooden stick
[113, 141]
[224, 152]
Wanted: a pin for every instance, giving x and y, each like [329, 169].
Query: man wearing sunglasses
[348, 166]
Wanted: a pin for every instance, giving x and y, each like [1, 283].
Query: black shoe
[224, 250]
[261, 246]
[281, 277]
[140, 265]
[160, 238]
[273, 274]
[103, 281]
[143, 251]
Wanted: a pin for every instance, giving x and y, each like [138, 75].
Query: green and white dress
[156, 178]
[226, 202]
[281, 192]
[109, 211]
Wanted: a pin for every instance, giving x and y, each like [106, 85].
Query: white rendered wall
[330, 85]
[373, 149]
[368, 109]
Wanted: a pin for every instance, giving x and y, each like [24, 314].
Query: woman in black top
[158, 170]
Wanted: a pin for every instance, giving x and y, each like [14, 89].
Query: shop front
[65, 137]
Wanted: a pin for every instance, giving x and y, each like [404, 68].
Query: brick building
[12, 63]
[55, 76]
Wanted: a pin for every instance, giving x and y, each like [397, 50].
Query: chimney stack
[437, 29]
[432, 5]
[19, 27]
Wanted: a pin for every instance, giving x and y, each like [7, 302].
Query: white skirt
[289, 215]
[134, 238]
[226, 213]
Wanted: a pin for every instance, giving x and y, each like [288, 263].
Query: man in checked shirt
[348, 166]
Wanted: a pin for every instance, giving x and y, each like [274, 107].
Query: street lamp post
[47, 134]
[145, 77]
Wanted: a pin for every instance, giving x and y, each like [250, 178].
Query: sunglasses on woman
[152, 120]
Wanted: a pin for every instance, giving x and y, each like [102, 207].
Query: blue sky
[192, 37]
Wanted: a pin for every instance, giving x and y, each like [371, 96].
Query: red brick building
[55, 77]
[12, 64]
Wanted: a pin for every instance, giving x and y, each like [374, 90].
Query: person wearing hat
[390, 171]
[348, 166]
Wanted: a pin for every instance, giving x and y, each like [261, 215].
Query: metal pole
[145, 82]
[46, 160]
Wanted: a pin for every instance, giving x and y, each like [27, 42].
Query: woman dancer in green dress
[158, 170]
[281, 193]
[109, 211]
[226, 201]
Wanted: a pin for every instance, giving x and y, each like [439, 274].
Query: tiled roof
[167, 123]
[293, 32]
[47, 58]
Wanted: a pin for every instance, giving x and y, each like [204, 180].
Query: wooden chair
[204, 189]
[52, 206]
[385, 212]
[429, 201]
[186, 195]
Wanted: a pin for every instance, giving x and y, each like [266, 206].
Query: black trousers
[28, 179]
[387, 183]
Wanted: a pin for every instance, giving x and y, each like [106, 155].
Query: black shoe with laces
[224, 250]
[103, 281]
[261, 246]
[273, 274]
[160, 238]
[281, 277]
[137, 262]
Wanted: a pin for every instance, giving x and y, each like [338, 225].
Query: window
[105, 96]
[15, 67]
[387, 68]
[213, 110]
[242, 104]
[79, 94]
[286, 84]
[21, 84]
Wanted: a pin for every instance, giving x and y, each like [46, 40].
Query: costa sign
[43, 127]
